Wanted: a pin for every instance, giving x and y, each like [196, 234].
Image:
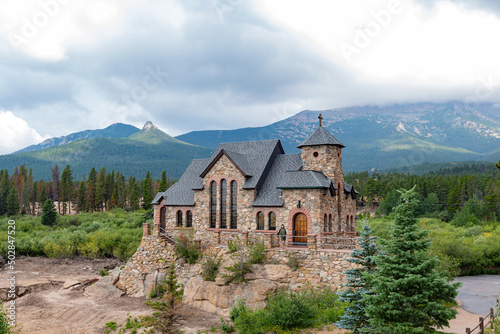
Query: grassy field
[472, 250]
[93, 235]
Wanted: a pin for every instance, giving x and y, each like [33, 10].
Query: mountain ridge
[116, 130]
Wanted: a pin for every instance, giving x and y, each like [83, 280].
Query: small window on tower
[338, 155]
[315, 154]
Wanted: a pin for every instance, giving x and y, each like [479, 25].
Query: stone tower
[321, 151]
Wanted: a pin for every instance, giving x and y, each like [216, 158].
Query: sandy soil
[51, 305]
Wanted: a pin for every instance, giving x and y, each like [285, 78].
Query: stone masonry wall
[149, 264]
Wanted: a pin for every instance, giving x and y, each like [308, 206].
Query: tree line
[20, 193]
[461, 199]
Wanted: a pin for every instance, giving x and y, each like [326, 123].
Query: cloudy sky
[67, 65]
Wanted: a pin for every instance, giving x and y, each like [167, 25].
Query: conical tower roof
[321, 136]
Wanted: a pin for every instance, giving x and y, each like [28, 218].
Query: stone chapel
[249, 189]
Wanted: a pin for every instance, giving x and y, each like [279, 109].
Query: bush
[293, 261]
[103, 272]
[187, 249]
[210, 268]
[257, 252]
[233, 246]
[237, 272]
[288, 311]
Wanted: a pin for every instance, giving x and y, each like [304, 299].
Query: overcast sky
[67, 66]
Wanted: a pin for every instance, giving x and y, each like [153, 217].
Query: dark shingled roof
[265, 166]
[181, 192]
[256, 157]
[321, 136]
[269, 194]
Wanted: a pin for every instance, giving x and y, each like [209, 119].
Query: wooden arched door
[163, 219]
[300, 229]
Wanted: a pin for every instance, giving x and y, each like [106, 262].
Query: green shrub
[257, 252]
[103, 272]
[237, 272]
[293, 260]
[187, 249]
[226, 327]
[210, 268]
[233, 246]
[288, 310]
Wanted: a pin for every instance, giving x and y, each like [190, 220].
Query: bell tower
[321, 151]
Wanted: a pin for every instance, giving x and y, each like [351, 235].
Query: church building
[249, 189]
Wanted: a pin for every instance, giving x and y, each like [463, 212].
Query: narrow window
[330, 223]
[260, 220]
[213, 204]
[189, 219]
[234, 205]
[272, 221]
[223, 204]
[325, 223]
[179, 218]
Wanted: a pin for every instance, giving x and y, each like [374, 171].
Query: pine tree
[55, 186]
[408, 295]
[13, 203]
[148, 192]
[49, 213]
[66, 188]
[163, 182]
[100, 191]
[354, 318]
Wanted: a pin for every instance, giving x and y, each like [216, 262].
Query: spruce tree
[163, 182]
[354, 318]
[49, 213]
[148, 192]
[13, 203]
[408, 294]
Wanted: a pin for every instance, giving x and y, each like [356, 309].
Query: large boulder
[218, 297]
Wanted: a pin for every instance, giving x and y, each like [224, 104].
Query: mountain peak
[148, 126]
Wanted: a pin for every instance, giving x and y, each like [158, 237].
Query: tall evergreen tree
[4, 191]
[91, 192]
[408, 294]
[49, 213]
[147, 192]
[66, 188]
[82, 198]
[55, 186]
[100, 191]
[354, 317]
[13, 203]
[163, 182]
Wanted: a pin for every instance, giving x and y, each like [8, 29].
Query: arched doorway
[300, 230]
[162, 217]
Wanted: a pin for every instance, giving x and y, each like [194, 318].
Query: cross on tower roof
[320, 120]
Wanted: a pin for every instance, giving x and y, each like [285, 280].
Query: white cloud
[15, 133]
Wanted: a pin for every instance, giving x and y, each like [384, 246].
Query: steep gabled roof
[286, 174]
[321, 136]
[181, 192]
[269, 194]
[239, 160]
[254, 157]
[305, 179]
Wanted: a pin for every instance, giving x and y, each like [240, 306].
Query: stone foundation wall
[147, 267]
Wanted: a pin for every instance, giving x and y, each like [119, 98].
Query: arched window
[330, 223]
[179, 218]
[325, 223]
[352, 223]
[260, 220]
[339, 207]
[189, 219]
[234, 205]
[272, 221]
[213, 204]
[223, 203]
